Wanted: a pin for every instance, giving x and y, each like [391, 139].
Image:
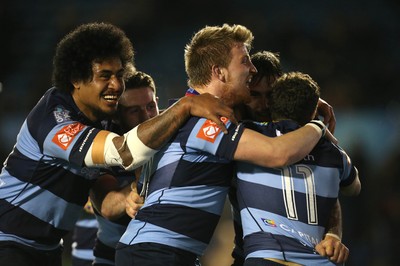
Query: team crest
[209, 130]
[66, 135]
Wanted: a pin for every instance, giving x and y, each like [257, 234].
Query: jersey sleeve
[54, 130]
[206, 136]
[349, 172]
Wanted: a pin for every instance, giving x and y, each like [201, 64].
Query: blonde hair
[212, 46]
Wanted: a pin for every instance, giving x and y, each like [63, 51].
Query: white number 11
[289, 195]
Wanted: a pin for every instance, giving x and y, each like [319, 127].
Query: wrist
[333, 235]
[317, 124]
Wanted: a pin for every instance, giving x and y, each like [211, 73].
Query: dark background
[351, 48]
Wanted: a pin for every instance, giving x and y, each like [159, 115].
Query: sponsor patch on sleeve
[209, 130]
[61, 114]
[66, 135]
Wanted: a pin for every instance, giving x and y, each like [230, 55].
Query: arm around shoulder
[279, 151]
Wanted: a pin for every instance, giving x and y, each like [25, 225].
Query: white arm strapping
[140, 152]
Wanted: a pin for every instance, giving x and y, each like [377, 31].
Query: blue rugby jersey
[189, 183]
[83, 237]
[287, 208]
[109, 231]
[43, 184]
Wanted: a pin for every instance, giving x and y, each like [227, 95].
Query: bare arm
[139, 144]
[156, 131]
[331, 246]
[279, 151]
[107, 198]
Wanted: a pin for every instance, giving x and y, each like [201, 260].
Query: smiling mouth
[110, 98]
[248, 82]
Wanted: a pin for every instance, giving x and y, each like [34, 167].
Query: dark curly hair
[294, 96]
[76, 52]
[268, 65]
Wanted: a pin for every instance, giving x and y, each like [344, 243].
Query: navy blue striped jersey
[109, 231]
[189, 183]
[83, 238]
[44, 184]
[284, 211]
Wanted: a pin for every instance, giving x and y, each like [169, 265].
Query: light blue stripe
[109, 232]
[309, 234]
[52, 149]
[84, 254]
[26, 242]
[87, 223]
[210, 199]
[26, 144]
[204, 145]
[161, 236]
[326, 179]
[58, 212]
[174, 151]
[300, 258]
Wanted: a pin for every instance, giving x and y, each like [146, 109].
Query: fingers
[320, 249]
[341, 253]
[133, 201]
[211, 107]
[331, 137]
[326, 111]
[332, 248]
[132, 210]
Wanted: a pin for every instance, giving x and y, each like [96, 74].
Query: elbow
[107, 213]
[278, 160]
[357, 189]
[353, 190]
[285, 158]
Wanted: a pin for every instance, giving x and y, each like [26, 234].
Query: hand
[212, 108]
[331, 137]
[326, 111]
[133, 202]
[333, 248]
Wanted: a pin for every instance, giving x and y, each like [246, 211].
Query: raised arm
[139, 144]
[280, 151]
[326, 111]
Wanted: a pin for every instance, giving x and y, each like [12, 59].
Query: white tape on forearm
[317, 127]
[111, 154]
[140, 152]
[102, 151]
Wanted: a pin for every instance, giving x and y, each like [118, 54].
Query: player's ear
[76, 84]
[218, 72]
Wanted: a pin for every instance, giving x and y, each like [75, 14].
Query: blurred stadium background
[351, 48]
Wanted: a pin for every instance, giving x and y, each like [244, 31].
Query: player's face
[98, 98]
[136, 106]
[238, 74]
[258, 103]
